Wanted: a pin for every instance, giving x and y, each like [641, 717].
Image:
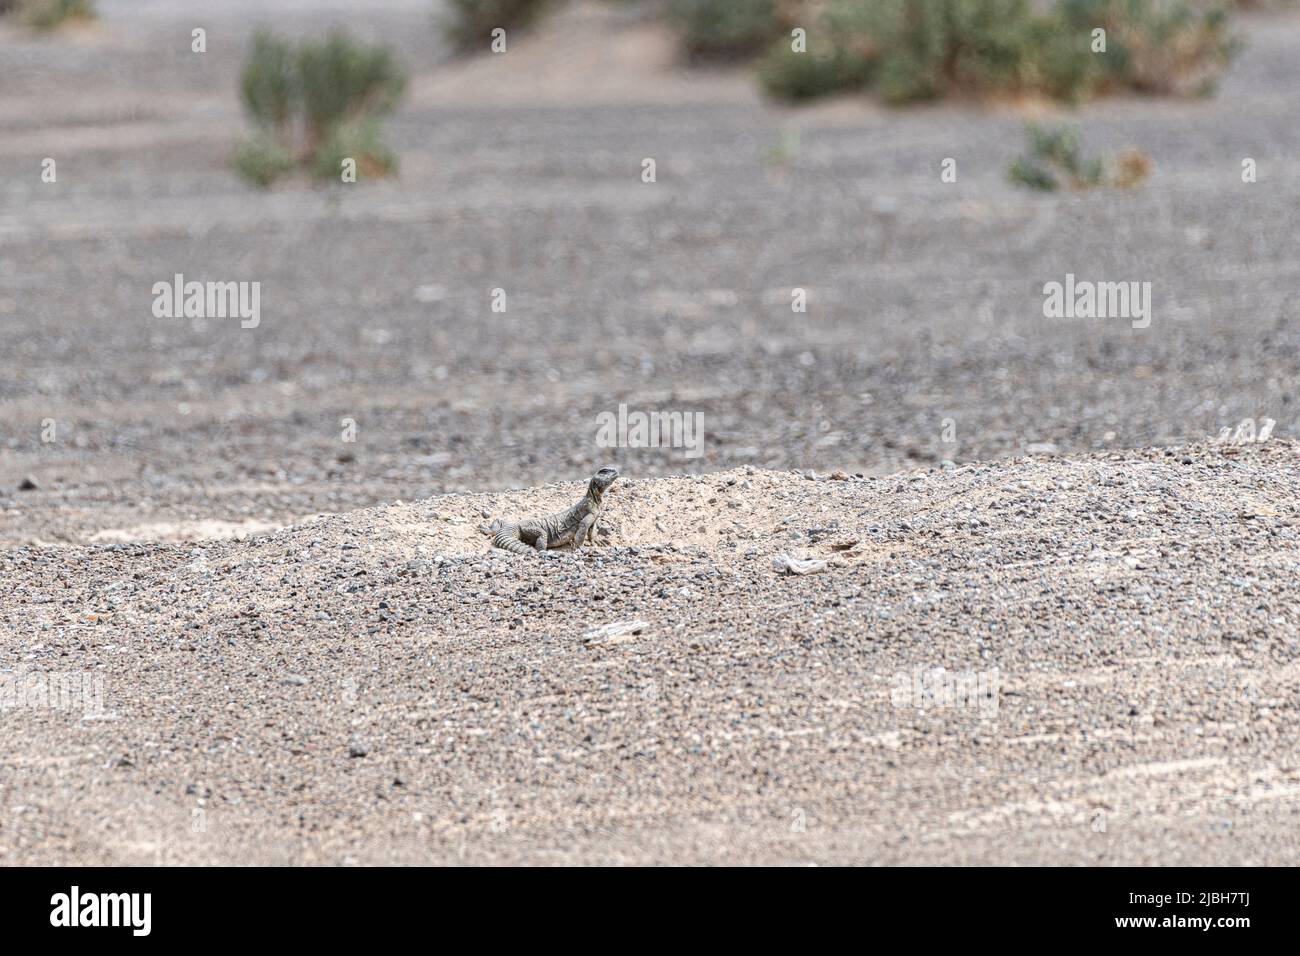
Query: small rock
[28, 484]
[784, 564]
[616, 632]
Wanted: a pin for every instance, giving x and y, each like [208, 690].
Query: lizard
[572, 525]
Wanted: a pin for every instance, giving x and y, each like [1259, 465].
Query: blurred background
[523, 171]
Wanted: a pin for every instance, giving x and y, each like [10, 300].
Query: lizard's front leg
[584, 527]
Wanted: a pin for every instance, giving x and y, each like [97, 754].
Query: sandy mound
[1088, 659]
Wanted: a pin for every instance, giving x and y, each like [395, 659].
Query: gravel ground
[1118, 633]
[199, 534]
[924, 299]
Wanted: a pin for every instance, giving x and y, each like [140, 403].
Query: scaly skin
[573, 525]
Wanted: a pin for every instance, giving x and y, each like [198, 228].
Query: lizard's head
[602, 480]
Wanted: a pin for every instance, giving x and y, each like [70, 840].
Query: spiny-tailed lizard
[574, 524]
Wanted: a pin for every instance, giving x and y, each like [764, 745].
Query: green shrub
[48, 14]
[1058, 150]
[468, 24]
[1032, 175]
[262, 160]
[343, 82]
[269, 83]
[316, 104]
[907, 78]
[913, 50]
[931, 48]
[361, 141]
[1062, 65]
[1055, 159]
[817, 72]
[725, 29]
[924, 49]
[950, 42]
[1158, 46]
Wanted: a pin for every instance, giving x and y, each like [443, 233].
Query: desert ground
[306, 650]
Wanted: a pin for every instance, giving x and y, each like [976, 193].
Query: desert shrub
[1032, 175]
[725, 29]
[1053, 153]
[468, 24]
[928, 48]
[262, 159]
[1055, 158]
[817, 72]
[315, 105]
[362, 141]
[1061, 64]
[911, 50]
[269, 83]
[1158, 46]
[1131, 167]
[48, 14]
[344, 82]
[924, 49]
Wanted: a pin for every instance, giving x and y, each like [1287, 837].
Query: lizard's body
[573, 525]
